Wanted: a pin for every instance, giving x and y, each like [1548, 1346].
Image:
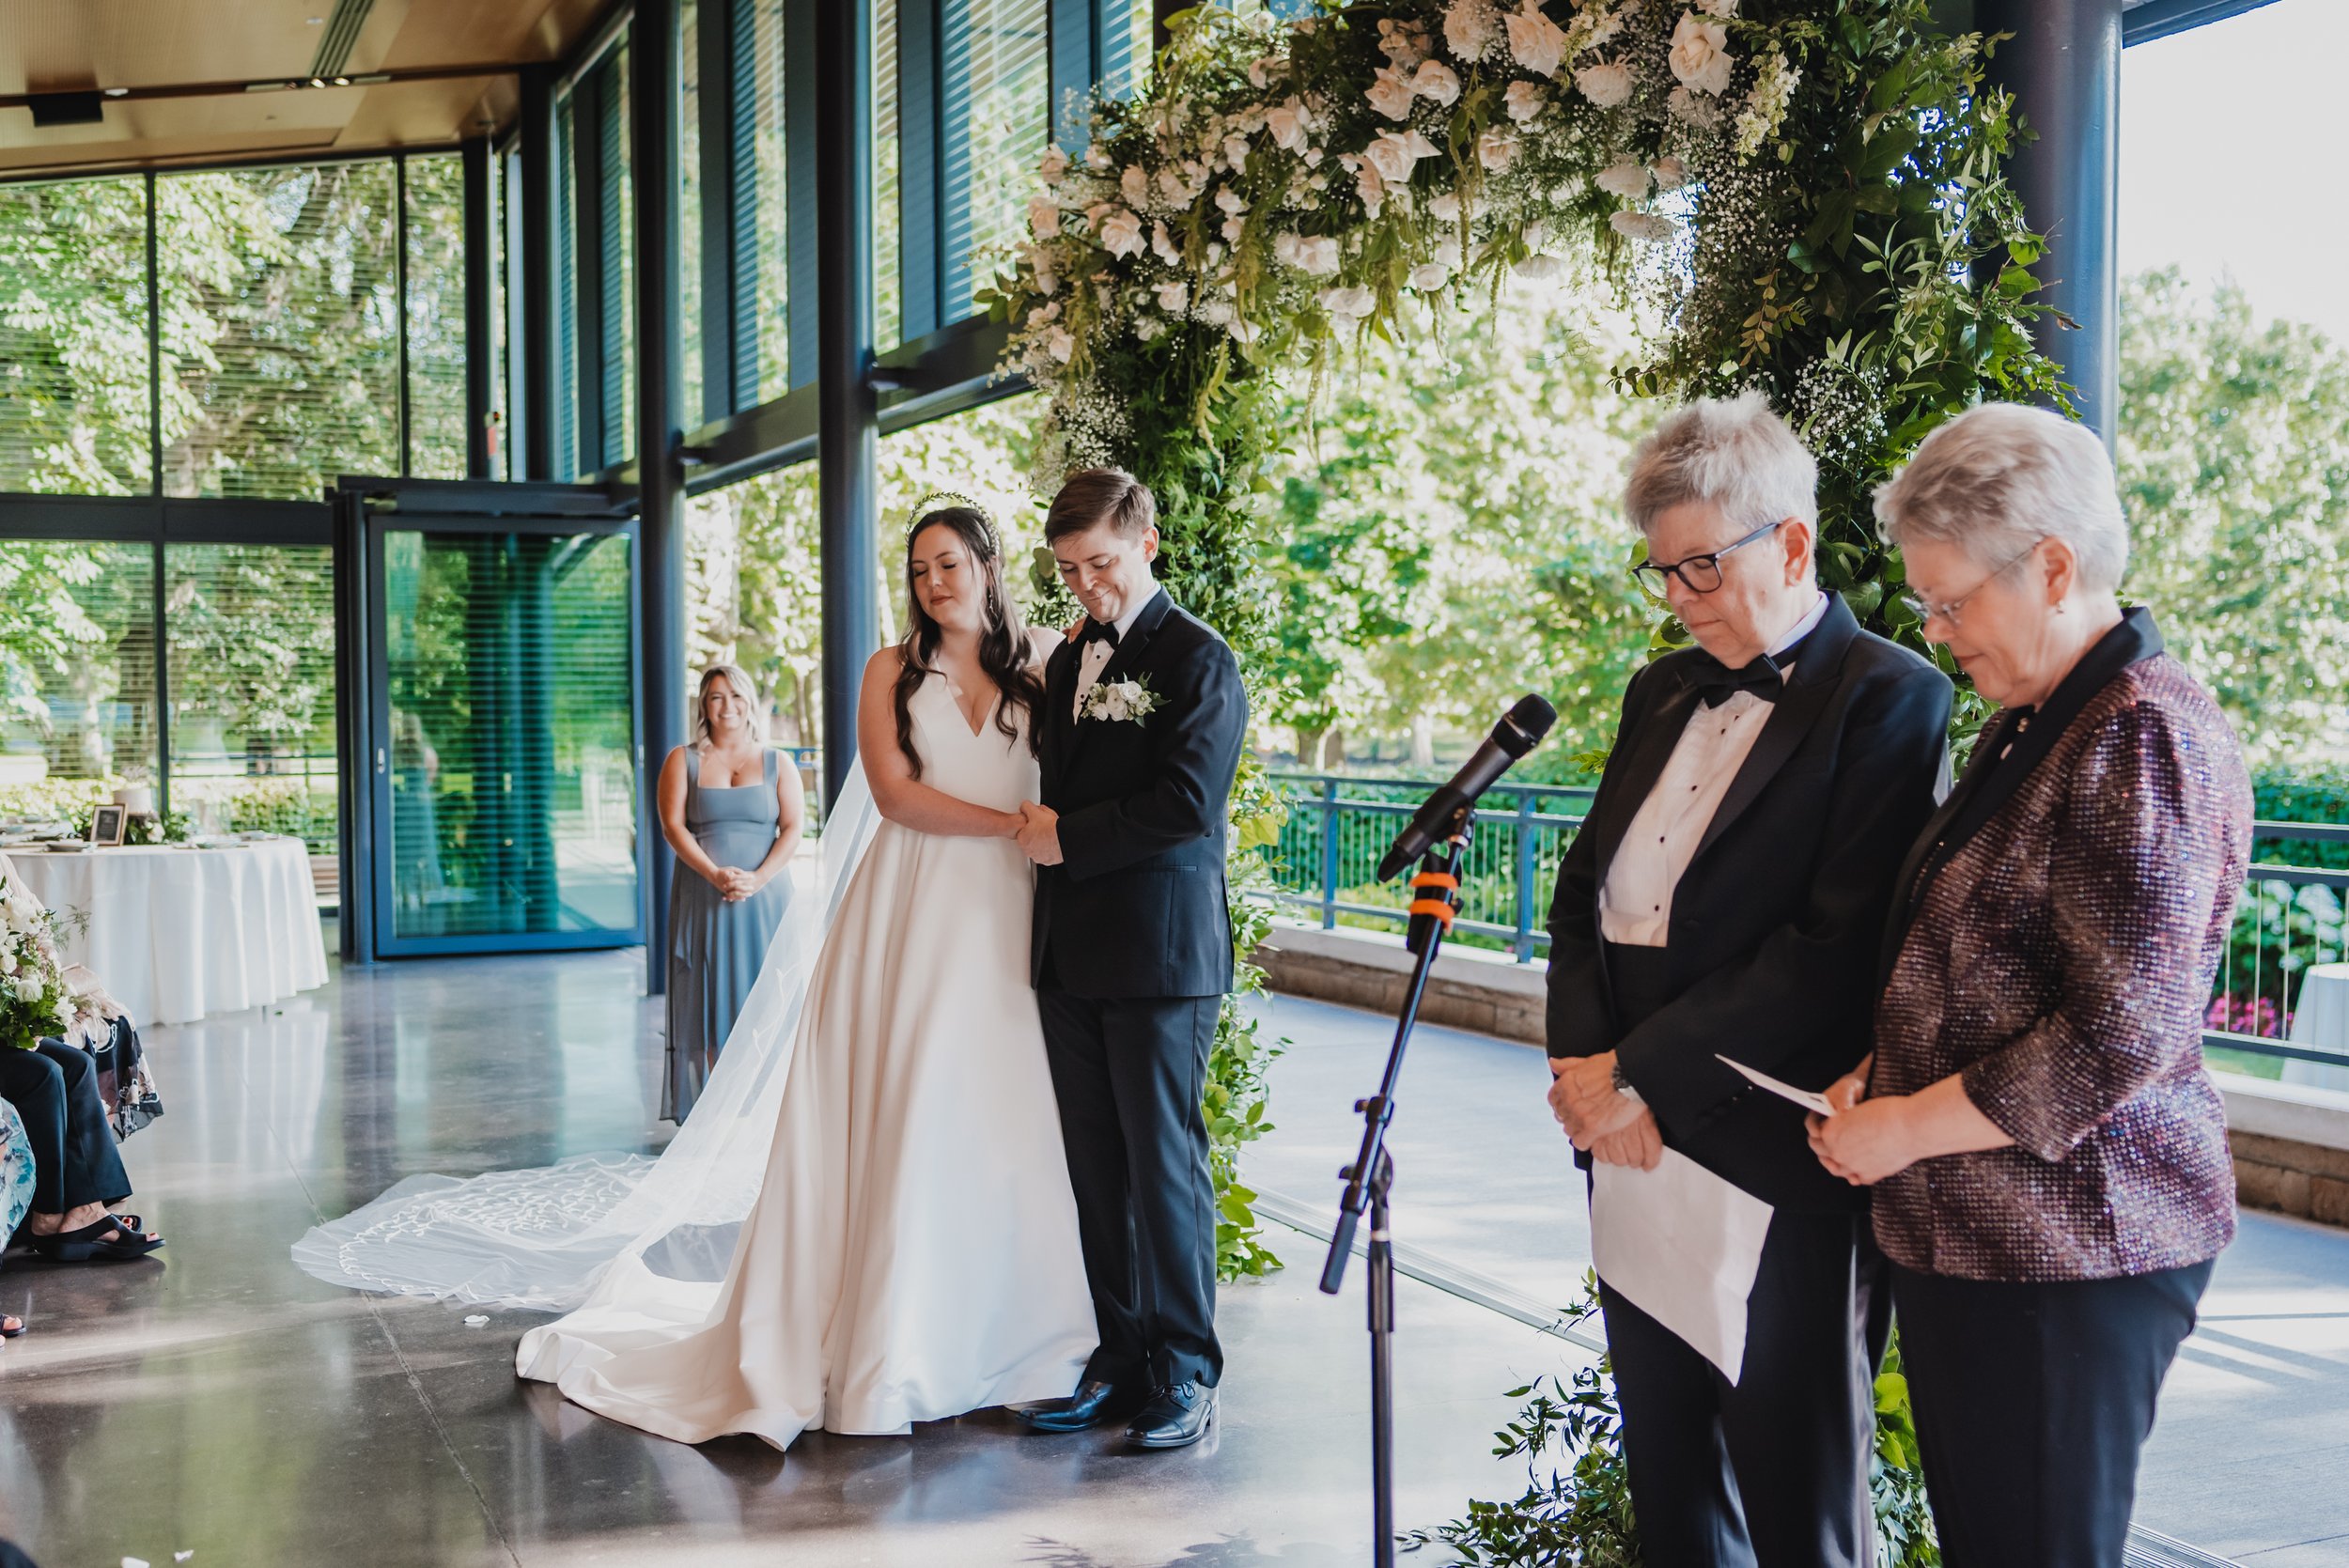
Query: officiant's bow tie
[1717, 682]
[1099, 631]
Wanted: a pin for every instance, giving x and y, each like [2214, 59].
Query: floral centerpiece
[35, 1001]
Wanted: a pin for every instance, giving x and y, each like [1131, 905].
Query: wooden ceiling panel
[183, 66]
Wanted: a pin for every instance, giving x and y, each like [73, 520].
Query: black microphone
[1520, 731]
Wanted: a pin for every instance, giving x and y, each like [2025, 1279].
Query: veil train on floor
[547, 1237]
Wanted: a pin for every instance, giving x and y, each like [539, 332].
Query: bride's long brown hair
[1004, 650]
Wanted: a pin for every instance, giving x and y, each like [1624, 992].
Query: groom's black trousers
[1129, 1075]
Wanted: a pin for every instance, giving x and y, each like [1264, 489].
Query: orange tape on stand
[1441, 906]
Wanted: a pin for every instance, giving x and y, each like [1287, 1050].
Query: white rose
[1348, 305]
[1235, 151]
[1394, 153]
[1317, 254]
[1624, 178]
[1699, 54]
[1435, 79]
[1540, 266]
[1367, 184]
[1053, 165]
[7, 960]
[1496, 149]
[1468, 27]
[1231, 201]
[1121, 233]
[1162, 244]
[1245, 331]
[1134, 185]
[1640, 225]
[1058, 344]
[1284, 248]
[1722, 8]
[1538, 43]
[1175, 189]
[1288, 125]
[1445, 207]
[1175, 297]
[1671, 173]
[1524, 101]
[1047, 275]
[1233, 230]
[65, 1010]
[1607, 85]
[1389, 94]
[1429, 277]
[1044, 218]
[1149, 328]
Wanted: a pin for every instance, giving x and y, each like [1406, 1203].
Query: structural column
[2063, 66]
[660, 373]
[533, 427]
[479, 362]
[848, 439]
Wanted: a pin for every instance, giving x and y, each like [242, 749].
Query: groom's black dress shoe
[1176, 1416]
[1096, 1401]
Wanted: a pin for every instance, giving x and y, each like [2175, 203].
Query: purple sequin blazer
[2057, 952]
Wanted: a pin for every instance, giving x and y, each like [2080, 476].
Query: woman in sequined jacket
[2049, 1159]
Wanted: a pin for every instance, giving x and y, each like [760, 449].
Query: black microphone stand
[1436, 900]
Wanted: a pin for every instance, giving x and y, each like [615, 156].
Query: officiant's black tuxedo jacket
[1136, 908]
[1775, 924]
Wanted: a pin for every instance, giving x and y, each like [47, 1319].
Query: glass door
[504, 728]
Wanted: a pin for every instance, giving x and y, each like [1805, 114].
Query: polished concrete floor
[219, 1403]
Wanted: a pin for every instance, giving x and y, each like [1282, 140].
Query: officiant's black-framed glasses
[1701, 574]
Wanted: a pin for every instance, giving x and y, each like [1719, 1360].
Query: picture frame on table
[106, 824]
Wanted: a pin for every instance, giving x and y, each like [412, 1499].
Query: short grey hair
[1999, 478]
[1733, 454]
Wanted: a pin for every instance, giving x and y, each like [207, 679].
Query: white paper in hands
[1810, 1100]
[1683, 1245]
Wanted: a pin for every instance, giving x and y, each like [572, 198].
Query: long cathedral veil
[547, 1237]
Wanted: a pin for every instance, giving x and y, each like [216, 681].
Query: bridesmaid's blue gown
[715, 948]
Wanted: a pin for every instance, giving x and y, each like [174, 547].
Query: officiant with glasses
[1724, 898]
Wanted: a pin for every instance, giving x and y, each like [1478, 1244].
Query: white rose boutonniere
[1118, 702]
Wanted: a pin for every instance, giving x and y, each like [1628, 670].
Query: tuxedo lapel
[1818, 666]
[1060, 696]
[1650, 746]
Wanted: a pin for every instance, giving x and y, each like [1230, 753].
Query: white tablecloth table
[2320, 1019]
[175, 933]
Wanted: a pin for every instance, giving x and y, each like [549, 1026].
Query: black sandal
[92, 1242]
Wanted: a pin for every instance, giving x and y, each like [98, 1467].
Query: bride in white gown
[911, 1252]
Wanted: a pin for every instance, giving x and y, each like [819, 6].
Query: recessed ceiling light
[342, 81]
[117, 92]
[315, 21]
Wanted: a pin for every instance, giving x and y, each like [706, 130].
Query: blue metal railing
[2290, 917]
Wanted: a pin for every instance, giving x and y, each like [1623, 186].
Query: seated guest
[16, 1191]
[2050, 1164]
[77, 1174]
[1727, 894]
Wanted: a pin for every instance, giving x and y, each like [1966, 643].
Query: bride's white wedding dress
[867, 1221]
[913, 1253]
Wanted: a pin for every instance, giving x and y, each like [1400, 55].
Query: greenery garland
[1806, 197]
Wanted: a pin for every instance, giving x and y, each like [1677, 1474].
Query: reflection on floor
[221, 1402]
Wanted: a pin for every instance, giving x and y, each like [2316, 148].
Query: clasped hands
[736, 883]
[1038, 833]
[1611, 1125]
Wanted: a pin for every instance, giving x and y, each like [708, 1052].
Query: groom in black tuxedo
[1143, 717]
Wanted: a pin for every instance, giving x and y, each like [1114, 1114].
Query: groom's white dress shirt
[1097, 653]
[1635, 906]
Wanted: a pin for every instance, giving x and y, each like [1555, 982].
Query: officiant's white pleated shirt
[1635, 906]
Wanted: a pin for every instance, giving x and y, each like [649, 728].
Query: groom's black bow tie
[1099, 631]
[1717, 683]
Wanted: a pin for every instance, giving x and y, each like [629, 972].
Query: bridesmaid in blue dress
[732, 814]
